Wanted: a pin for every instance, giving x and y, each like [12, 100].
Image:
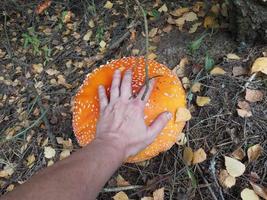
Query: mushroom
[167, 95]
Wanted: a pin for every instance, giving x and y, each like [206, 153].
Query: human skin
[121, 132]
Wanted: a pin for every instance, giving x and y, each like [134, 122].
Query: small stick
[118, 189]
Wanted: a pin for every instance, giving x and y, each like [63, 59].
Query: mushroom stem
[146, 55]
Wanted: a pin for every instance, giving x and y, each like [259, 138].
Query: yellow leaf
[121, 181]
[194, 27]
[108, 5]
[248, 194]
[210, 22]
[180, 22]
[202, 101]
[7, 171]
[152, 56]
[163, 8]
[190, 16]
[182, 115]
[64, 154]
[232, 56]
[188, 155]
[196, 87]
[159, 194]
[253, 95]
[239, 153]
[254, 152]
[102, 44]
[87, 36]
[153, 32]
[234, 167]
[91, 23]
[259, 190]
[260, 65]
[179, 12]
[37, 68]
[10, 188]
[217, 71]
[199, 156]
[49, 152]
[30, 159]
[186, 82]
[226, 180]
[120, 196]
[135, 51]
[181, 139]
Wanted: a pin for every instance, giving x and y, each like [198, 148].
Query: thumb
[159, 124]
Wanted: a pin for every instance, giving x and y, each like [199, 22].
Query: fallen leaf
[49, 152]
[179, 11]
[153, 32]
[120, 196]
[244, 113]
[202, 101]
[194, 27]
[163, 8]
[61, 80]
[7, 171]
[179, 70]
[234, 167]
[239, 153]
[167, 28]
[143, 163]
[215, 9]
[67, 16]
[190, 16]
[37, 68]
[152, 56]
[253, 95]
[232, 56]
[245, 110]
[121, 181]
[43, 6]
[196, 87]
[64, 154]
[52, 72]
[87, 36]
[181, 139]
[210, 22]
[239, 71]
[50, 163]
[171, 21]
[226, 180]
[259, 190]
[91, 23]
[147, 198]
[199, 156]
[180, 22]
[224, 9]
[260, 65]
[30, 160]
[10, 188]
[108, 5]
[243, 105]
[159, 194]
[186, 82]
[254, 152]
[217, 71]
[248, 194]
[182, 115]
[102, 44]
[188, 155]
[135, 51]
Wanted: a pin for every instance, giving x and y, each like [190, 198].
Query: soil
[215, 126]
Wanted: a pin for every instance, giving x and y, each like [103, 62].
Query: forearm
[81, 176]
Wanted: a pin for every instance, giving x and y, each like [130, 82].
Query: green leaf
[195, 45]
[192, 177]
[209, 63]
[155, 13]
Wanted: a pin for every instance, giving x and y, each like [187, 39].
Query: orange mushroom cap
[167, 95]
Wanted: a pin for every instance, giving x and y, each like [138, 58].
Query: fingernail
[169, 115]
[117, 71]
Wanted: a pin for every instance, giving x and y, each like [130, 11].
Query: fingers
[150, 88]
[115, 86]
[103, 100]
[158, 124]
[126, 85]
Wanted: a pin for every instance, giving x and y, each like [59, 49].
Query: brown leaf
[217, 71]
[152, 33]
[181, 139]
[239, 154]
[243, 105]
[260, 65]
[226, 180]
[244, 113]
[245, 110]
[199, 156]
[186, 82]
[254, 152]
[43, 6]
[182, 115]
[210, 22]
[159, 194]
[121, 181]
[238, 71]
[179, 11]
[167, 28]
[120, 196]
[259, 190]
[196, 87]
[253, 95]
[248, 194]
[188, 155]
[190, 16]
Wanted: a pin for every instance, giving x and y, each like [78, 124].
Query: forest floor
[44, 59]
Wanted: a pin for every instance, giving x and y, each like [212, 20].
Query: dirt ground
[35, 105]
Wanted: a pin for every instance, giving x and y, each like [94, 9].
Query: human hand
[121, 121]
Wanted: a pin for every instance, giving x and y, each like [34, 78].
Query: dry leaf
[248, 194]
[254, 152]
[196, 87]
[50, 163]
[244, 113]
[153, 32]
[152, 56]
[179, 12]
[215, 9]
[180, 22]
[143, 163]
[64, 154]
[167, 28]
[182, 115]
[259, 190]
[43, 6]
[226, 180]
[232, 56]
[194, 27]
[10, 188]
[61, 80]
[253, 95]
[163, 8]
[67, 17]
[238, 71]
[202, 101]
[121, 196]
[188, 155]
[171, 21]
[217, 71]
[234, 167]
[7, 171]
[190, 16]
[181, 139]
[52, 72]
[199, 156]
[147, 198]
[87, 36]
[30, 160]
[37, 68]
[243, 105]
[239, 154]
[260, 65]
[121, 181]
[186, 82]
[49, 152]
[159, 194]
[102, 44]
[108, 5]
[91, 23]
[210, 22]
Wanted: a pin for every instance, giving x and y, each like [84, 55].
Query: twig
[117, 189]
[251, 78]
[147, 44]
